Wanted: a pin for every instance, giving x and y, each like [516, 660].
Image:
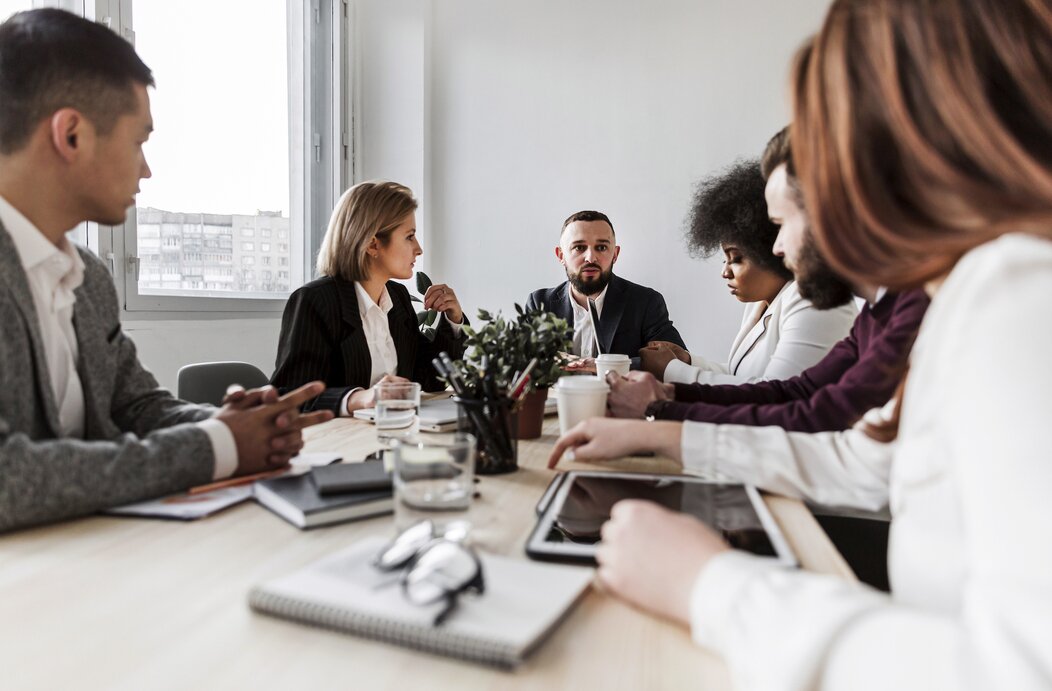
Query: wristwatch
[656, 408]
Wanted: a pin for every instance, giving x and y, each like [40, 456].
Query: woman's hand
[654, 358]
[366, 398]
[603, 438]
[441, 297]
[651, 556]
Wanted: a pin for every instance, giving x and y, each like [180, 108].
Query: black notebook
[295, 498]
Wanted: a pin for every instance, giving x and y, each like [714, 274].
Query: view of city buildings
[207, 253]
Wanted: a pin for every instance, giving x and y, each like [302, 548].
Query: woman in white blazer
[782, 333]
[950, 188]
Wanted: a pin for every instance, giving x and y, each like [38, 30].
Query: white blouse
[969, 487]
[778, 341]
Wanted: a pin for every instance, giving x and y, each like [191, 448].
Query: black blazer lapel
[613, 309]
[402, 322]
[14, 276]
[357, 363]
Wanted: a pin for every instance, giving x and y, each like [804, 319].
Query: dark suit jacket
[633, 315]
[322, 338]
[135, 445]
[861, 372]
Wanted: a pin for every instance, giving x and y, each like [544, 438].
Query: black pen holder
[493, 424]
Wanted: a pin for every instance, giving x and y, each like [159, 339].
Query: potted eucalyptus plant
[507, 346]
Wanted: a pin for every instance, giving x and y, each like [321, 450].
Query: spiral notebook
[524, 602]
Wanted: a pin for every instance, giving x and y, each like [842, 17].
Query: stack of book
[329, 494]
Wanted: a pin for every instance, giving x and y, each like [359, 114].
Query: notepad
[524, 601]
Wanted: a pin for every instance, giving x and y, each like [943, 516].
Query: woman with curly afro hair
[782, 333]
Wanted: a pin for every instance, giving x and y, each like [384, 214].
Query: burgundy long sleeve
[859, 373]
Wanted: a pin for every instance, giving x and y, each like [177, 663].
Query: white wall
[505, 117]
[538, 109]
[165, 346]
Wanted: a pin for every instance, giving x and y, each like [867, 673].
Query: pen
[236, 481]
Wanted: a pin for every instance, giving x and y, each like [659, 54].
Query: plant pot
[531, 415]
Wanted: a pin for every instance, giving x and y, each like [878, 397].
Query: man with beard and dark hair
[859, 373]
[630, 315]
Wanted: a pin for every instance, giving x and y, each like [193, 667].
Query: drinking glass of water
[397, 408]
[433, 480]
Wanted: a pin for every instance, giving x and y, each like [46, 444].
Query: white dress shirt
[382, 354]
[54, 272]
[583, 333]
[377, 330]
[967, 483]
[775, 341]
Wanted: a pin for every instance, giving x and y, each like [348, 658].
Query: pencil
[236, 481]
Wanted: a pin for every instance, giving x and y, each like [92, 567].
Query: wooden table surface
[121, 603]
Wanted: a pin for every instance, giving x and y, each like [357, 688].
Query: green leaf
[421, 317]
[429, 318]
[429, 333]
[422, 282]
[416, 299]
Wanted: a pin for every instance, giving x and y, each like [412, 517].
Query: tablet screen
[726, 508]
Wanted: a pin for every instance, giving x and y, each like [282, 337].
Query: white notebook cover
[523, 602]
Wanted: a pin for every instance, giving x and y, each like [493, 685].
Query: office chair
[206, 382]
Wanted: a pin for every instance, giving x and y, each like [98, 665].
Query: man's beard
[592, 286]
[816, 280]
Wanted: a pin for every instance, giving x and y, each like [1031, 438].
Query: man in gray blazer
[83, 426]
[630, 315]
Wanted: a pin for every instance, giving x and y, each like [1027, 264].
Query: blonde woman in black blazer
[371, 240]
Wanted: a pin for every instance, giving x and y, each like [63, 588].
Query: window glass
[220, 150]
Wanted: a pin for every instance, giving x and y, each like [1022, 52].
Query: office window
[264, 247]
[250, 140]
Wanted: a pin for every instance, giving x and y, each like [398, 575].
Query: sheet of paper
[318, 458]
[186, 507]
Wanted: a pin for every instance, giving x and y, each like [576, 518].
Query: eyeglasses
[436, 568]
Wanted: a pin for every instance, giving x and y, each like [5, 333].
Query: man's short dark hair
[51, 59]
[777, 152]
[730, 209]
[587, 216]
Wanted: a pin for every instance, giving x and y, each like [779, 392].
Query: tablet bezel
[538, 548]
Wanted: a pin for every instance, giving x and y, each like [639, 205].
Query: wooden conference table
[122, 603]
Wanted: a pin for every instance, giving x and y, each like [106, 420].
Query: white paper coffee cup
[612, 362]
[580, 398]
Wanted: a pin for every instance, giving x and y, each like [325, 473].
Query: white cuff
[679, 372]
[716, 593]
[456, 327]
[343, 403]
[698, 448]
[224, 448]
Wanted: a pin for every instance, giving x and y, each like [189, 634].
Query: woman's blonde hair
[368, 210]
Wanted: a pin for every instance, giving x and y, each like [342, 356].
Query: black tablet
[576, 505]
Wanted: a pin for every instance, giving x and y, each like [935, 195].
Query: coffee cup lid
[579, 383]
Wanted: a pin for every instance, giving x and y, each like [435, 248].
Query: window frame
[319, 82]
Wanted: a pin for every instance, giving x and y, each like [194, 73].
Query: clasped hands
[267, 428]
